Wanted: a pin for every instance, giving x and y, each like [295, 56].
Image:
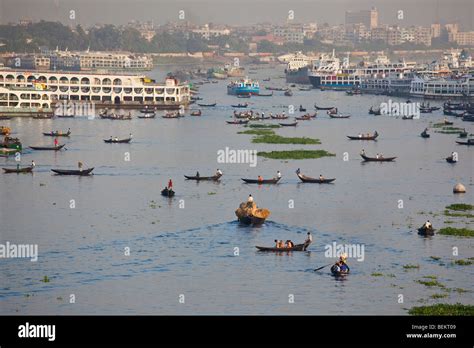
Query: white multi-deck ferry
[297, 68]
[43, 89]
[328, 72]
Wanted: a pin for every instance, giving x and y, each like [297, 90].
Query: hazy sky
[89, 12]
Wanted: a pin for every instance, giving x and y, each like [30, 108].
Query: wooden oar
[317, 269]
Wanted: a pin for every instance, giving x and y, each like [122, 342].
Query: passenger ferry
[442, 88]
[42, 89]
[297, 69]
[243, 87]
[328, 72]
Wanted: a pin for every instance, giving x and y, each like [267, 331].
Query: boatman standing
[250, 199]
[79, 164]
[278, 175]
[309, 238]
[33, 164]
[219, 172]
[170, 185]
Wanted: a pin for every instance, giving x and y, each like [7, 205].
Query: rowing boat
[339, 116]
[58, 134]
[450, 159]
[238, 122]
[256, 181]
[375, 159]
[18, 170]
[304, 118]
[117, 141]
[148, 115]
[305, 178]
[281, 117]
[323, 107]
[335, 270]
[371, 137]
[426, 231]
[288, 124]
[204, 178]
[51, 148]
[240, 105]
[196, 113]
[265, 95]
[167, 193]
[408, 117]
[207, 105]
[297, 247]
[468, 143]
[83, 172]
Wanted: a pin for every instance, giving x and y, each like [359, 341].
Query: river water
[190, 248]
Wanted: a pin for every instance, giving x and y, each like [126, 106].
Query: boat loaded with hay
[249, 214]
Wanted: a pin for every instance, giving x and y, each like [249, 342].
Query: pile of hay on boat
[249, 213]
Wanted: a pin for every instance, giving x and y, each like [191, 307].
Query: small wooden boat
[335, 271]
[78, 172]
[148, 115]
[115, 117]
[288, 93]
[196, 113]
[339, 116]
[279, 117]
[265, 95]
[408, 117]
[468, 118]
[424, 134]
[304, 118]
[266, 80]
[294, 124]
[117, 141]
[375, 159]
[363, 137]
[468, 143]
[238, 122]
[251, 220]
[375, 112]
[203, 178]
[297, 247]
[305, 178]
[207, 105]
[167, 193]
[58, 134]
[453, 113]
[448, 123]
[305, 89]
[244, 96]
[18, 170]
[323, 107]
[240, 105]
[463, 134]
[256, 181]
[65, 116]
[5, 117]
[147, 110]
[426, 231]
[46, 148]
[450, 159]
[43, 116]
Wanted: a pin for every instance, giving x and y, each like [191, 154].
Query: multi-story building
[435, 30]
[462, 38]
[207, 32]
[369, 18]
[293, 33]
[379, 33]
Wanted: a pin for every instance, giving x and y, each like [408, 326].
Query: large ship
[23, 89]
[297, 69]
[243, 87]
[328, 72]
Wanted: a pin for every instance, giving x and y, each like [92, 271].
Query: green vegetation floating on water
[258, 132]
[296, 154]
[467, 215]
[436, 258]
[431, 277]
[462, 262]
[409, 266]
[430, 283]
[264, 126]
[443, 309]
[461, 232]
[45, 279]
[277, 139]
[436, 296]
[450, 130]
[377, 274]
[460, 207]
[211, 193]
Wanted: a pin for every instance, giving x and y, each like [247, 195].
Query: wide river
[188, 255]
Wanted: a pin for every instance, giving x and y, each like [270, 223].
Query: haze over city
[89, 12]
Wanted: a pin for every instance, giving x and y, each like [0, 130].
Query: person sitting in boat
[116, 139]
[321, 177]
[376, 133]
[309, 238]
[360, 135]
[377, 156]
[33, 164]
[362, 152]
[341, 265]
[380, 156]
[219, 172]
[250, 199]
[278, 175]
[428, 225]
[197, 174]
[277, 243]
[263, 115]
[281, 244]
[289, 244]
[260, 178]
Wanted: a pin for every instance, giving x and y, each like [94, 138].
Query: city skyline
[90, 12]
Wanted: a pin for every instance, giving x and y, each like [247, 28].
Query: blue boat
[243, 87]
